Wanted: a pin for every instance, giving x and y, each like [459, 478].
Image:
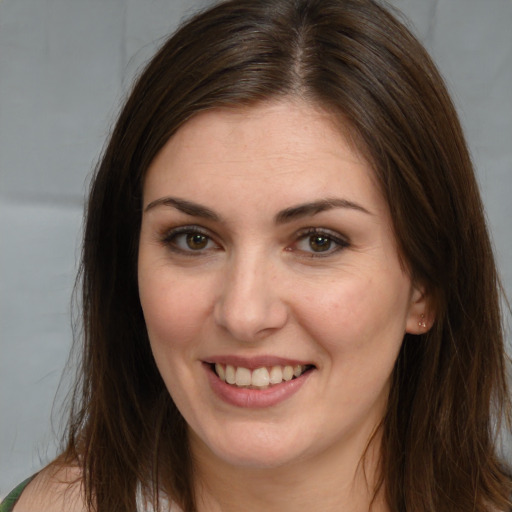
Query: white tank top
[144, 506]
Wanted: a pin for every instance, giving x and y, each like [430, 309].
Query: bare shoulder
[53, 490]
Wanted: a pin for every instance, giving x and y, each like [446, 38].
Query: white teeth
[243, 376]
[220, 372]
[288, 373]
[276, 375]
[230, 374]
[260, 377]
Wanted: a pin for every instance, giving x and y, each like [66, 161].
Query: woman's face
[267, 251]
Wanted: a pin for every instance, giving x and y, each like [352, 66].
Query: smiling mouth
[259, 378]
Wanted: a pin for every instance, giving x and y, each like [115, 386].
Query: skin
[259, 288]
[53, 490]
[249, 286]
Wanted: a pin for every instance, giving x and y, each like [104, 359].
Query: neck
[327, 482]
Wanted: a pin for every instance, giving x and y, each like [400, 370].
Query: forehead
[285, 127]
[287, 150]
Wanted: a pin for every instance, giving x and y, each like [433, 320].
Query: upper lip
[254, 362]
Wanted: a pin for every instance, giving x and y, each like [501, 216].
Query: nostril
[249, 307]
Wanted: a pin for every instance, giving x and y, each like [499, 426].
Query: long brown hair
[449, 389]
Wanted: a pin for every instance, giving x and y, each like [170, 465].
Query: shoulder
[55, 489]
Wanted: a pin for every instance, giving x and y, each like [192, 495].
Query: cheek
[358, 317]
[174, 310]
[175, 317]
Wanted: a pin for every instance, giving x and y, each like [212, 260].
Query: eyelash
[340, 242]
[170, 237]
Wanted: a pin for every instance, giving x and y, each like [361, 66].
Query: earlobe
[421, 315]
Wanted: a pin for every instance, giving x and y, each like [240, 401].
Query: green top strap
[11, 499]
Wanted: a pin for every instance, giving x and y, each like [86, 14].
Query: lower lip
[255, 398]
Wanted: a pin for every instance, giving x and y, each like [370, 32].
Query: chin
[258, 448]
[258, 459]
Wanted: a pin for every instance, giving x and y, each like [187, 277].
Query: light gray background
[64, 67]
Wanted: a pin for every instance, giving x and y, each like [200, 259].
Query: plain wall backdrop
[65, 66]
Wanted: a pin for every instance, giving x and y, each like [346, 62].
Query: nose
[250, 306]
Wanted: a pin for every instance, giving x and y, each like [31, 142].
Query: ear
[421, 314]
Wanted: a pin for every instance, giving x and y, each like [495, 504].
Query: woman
[290, 299]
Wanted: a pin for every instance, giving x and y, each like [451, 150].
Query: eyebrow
[282, 217]
[188, 207]
[310, 209]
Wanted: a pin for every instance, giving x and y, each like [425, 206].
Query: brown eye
[319, 243]
[189, 240]
[196, 241]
